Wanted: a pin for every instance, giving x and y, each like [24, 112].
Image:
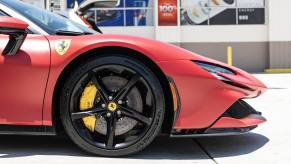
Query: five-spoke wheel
[112, 106]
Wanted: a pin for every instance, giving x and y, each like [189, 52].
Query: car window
[30, 30]
[48, 21]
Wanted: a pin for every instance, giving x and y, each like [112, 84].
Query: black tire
[147, 86]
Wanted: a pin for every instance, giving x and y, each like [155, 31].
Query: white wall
[279, 20]
[201, 33]
[147, 32]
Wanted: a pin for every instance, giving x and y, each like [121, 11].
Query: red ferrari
[112, 94]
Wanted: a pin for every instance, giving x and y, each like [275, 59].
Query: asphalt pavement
[270, 143]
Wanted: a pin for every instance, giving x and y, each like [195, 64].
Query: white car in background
[79, 11]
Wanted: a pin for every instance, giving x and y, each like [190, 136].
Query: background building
[257, 30]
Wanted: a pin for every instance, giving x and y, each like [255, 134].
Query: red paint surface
[203, 97]
[23, 80]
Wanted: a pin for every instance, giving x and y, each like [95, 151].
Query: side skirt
[27, 130]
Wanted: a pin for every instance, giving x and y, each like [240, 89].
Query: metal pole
[229, 55]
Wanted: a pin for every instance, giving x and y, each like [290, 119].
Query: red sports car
[112, 94]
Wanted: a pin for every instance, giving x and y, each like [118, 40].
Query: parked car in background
[79, 12]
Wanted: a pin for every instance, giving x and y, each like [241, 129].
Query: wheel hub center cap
[112, 106]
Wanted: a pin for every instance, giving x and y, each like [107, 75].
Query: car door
[23, 79]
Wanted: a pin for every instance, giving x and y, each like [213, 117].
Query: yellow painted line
[229, 55]
[278, 70]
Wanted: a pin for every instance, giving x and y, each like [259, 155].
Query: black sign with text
[251, 16]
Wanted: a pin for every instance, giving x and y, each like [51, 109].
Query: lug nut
[119, 112]
[108, 114]
[103, 105]
[110, 97]
[119, 102]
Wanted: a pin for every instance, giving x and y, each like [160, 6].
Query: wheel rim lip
[122, 145]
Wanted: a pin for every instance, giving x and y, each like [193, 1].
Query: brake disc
[90, 96]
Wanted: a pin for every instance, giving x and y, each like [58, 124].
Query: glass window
[139, 17]
[30, 30]
[127, 13]
[107, 17]
[139, 3]
[48, 21]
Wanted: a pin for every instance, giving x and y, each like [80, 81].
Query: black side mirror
[16, 30]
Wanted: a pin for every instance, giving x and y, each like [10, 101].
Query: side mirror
[16, 30]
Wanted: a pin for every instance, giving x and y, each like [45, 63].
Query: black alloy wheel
[112, 106]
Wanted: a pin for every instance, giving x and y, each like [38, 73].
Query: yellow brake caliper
[87, 102]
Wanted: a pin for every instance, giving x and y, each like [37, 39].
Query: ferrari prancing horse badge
[62, 46]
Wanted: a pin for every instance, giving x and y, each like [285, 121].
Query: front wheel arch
[169, 113]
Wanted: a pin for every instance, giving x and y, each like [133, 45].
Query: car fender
[78, 45]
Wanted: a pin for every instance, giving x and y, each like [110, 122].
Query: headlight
[215, 69]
